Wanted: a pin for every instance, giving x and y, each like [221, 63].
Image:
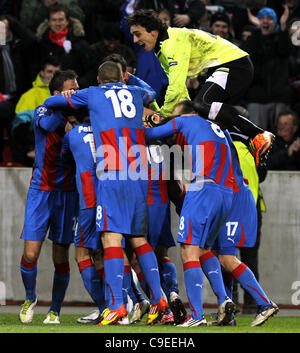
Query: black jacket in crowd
[279, 158]
[270, 55]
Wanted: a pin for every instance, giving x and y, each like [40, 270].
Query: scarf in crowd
[8, 69]
[58, 38]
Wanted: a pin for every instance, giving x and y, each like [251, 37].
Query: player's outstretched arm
[76, 100]
[162, 131]
[136, 81]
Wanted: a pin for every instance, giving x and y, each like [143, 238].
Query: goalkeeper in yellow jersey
[186, 53]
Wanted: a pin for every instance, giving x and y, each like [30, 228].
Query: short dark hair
[292, 113]
[50, 60]
[59, 78]
[148, 19]
[116, 58]
[186, 106]
[57, 8]
[109, 72]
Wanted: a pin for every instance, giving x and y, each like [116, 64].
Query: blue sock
[60, 284]
[114, 273]
[168, 275]
[193, 279]
[228, 283]
[148, 263]
[247, 280]
[143, 284]
[29, 275]
[126, 283]
[212, 270]
[103, 286]
[134, 293]
[92, 282]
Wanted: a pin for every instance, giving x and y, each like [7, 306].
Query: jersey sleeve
[149, 93]
[46, 119]
[77, 100]
[177, 53]
[169, 128]
[65, 149]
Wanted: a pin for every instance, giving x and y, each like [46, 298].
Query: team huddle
[108, 174]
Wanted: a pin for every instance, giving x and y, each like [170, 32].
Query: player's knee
[134, 264]
[228, 262]
[161, 251]
[60, 253]
[31, 255]
[81, 254]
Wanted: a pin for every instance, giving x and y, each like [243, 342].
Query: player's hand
[181, 20]
[126, 77]
[68, 93]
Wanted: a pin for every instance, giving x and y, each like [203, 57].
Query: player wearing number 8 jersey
[208, 200]
[116, 116]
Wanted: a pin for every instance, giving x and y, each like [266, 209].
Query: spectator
[14, 80]
[6, 7]
[165, 16]
[97, 14]
[62, 36]
[294, 62]
[238, 13]
[220, 25]
[246, 32]
[22, 134]
[34, 12]
[285, 154]
[15, 55]
[110, 44]
[183, 13]
[269, 49]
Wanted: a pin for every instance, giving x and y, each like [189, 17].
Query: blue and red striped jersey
[50, 172]
[157, 187]
[116, 112]
[79, 143]
[204, 144]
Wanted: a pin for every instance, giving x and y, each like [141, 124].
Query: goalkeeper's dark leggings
[222, 91]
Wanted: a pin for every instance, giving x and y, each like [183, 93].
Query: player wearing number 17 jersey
[116, 112]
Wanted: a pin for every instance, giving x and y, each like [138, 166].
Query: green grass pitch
[9, 323]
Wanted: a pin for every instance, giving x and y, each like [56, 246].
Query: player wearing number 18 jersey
[116, 112]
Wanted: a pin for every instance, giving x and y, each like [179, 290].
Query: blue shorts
[86, 235]
[122, 207]
[160, 225]
[205, 208]
[53, 210]
[240, 228]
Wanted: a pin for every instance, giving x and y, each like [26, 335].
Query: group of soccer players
[103, 175]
